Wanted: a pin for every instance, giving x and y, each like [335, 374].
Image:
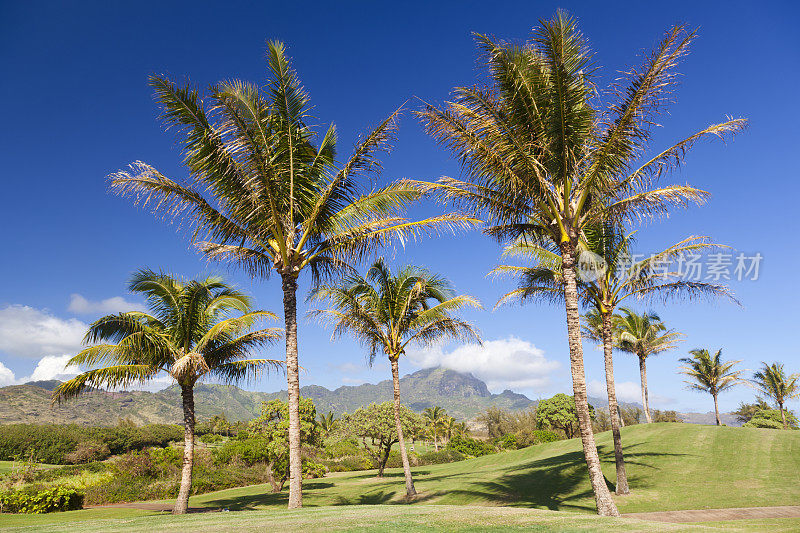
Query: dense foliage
[42, 501]
[71, 444]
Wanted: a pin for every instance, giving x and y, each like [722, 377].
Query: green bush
[211, 438]
[62, 444]
[507, 442]
[771, 418]
[442, 456]
[469, 446]
[313, 470]
[527, 438]
[42, 501]
[764, 423]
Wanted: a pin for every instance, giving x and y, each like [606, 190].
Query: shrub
[211, 438]
[313, 470]
[507, 442]
[764, 423]
[42, 501]
[469, 446]
[527, 438]
[88, 452]
[442, 456]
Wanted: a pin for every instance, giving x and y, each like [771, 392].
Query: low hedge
[42, 501]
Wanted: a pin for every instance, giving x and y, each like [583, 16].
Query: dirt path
[713, 515]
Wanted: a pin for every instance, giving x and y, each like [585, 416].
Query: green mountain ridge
[463, 395]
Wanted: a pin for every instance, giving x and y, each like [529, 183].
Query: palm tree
[772, 381]
[644, 335]
[190, 335]
[268, 194]
[327, 422]
[386, 312]
[544, 159]
[710, 374]
[608, 277]
[437, 418]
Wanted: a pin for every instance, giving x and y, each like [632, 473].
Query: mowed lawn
[670, 467]
[8, 466]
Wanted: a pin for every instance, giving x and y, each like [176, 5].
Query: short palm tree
[436, 418]
[192, 334]
[388, 312]
[267, 193]
[327, 422]
[608, 278]
[773, 382]
[710, 374]
[544, 157]
[644, 335]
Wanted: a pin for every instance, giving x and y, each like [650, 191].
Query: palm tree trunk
[613, 407]
[182, 503]
[716, 410]
[293, 388]
[410, 490]
[602, 496]
[643, 373]
[783, 416]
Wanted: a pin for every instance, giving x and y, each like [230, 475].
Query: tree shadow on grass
[267, 498]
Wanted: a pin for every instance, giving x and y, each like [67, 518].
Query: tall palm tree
[387, 312]
[710, 374]
[191, 334]
[773, 382]
[267, 193]
[543, 158]
[644, 335]
[608, 277]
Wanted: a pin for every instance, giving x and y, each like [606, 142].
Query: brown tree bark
[783, 416]
[716, 410]
[293, 388]
[410, 490]
[613, 407]
[602, 496]
[182, 503]
[643, 374]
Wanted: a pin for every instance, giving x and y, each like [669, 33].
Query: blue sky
[78, 108]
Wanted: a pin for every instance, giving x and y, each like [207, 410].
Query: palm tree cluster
[554, 167]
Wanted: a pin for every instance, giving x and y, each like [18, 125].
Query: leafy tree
[603, 285]
[666, 416]
[544, 158]
[273, 426]
[498, 422]
[772, 419]
[191, 334]
[644, 335]
[773, 382]
[387, 312]
[710, 374]
[266, 193]
[435, 418]
[559, 412]
[746, 411]
[376, 426]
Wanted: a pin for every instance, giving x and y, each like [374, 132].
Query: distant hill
[463, 396]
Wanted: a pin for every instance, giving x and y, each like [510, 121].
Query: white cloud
[503, 364]
[80, 305]
[53, 367]
[6, 376]
[34, 333]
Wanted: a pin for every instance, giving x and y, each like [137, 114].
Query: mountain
[461, 394]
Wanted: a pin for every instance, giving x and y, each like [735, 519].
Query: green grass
[8, 466]
[670, 467]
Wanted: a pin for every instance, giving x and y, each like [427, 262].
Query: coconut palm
[543, 158]
[609, 275]
[388, 312]
[267, 193]
[644, 335]
[773, 382]
[437, 419]
[710, 374]
[327, 422]
[192, 334]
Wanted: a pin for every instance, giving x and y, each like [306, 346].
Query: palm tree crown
[710, 374]
[190, 335]
[388, 312]
[644, 334]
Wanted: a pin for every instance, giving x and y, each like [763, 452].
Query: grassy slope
[670, 466]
